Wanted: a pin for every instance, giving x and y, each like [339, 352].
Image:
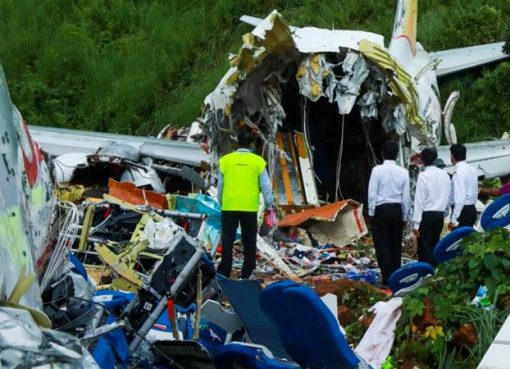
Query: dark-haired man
[464, 189]
[388, 205]
[242, 177]
[430, 205]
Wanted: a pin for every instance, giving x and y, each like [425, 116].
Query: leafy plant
[439, 317]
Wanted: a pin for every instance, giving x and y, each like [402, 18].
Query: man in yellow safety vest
[242, 177]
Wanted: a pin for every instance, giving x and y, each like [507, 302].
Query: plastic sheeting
[159, 233]
[204, 205]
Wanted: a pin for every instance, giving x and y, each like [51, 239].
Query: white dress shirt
[464, 188]
[389, 184]
[432, 193]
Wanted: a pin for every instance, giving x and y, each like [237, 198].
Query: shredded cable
[338, 191]
[369, 143]
[306, 132]
[67, 233]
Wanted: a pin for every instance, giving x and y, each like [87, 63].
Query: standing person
[464, 189]
[430, 205]
[242, 177]
[388, 205]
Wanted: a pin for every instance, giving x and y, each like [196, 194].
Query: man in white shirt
[464, 189]
[388, 206]
[430, 205]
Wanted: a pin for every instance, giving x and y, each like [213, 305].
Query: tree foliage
[506, 48]
[132, 66]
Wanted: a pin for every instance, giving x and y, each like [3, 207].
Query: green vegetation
[439, 327]
[132, 66]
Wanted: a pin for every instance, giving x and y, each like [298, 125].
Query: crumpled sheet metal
[399, 81]
[271, 36]
[338, 223]
[311, 74]
[274, 36]
[24, 344]
[347, 89]
[143, 177]
[119, 150]
[371, 100]
[316, 79]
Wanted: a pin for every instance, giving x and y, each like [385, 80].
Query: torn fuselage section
[26, 206]
[321, 113]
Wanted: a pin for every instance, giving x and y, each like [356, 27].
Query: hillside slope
[132, 66]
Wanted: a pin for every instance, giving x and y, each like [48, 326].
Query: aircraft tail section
[403, 39]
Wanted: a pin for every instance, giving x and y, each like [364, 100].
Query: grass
[134, 66]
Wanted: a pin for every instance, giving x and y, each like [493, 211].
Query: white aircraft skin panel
[316, 40]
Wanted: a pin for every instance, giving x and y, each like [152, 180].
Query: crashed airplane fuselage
[324, 101]
[26, 207]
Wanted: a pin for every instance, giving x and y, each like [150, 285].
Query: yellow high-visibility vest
[241, 171]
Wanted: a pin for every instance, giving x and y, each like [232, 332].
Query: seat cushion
[308, 329]
[244, 296]
[234, 356]
[409, 275]
[450, 246]
[497, 214]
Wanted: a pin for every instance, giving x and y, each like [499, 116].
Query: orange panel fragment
[128, 192]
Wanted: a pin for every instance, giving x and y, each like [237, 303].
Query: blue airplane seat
[497, 214]
[114, 299]
[449, 246]
[270, 302]
[238, 355]
[409, 276]
[111, 350]
[78, 266]
[308, 330]
[244, 296]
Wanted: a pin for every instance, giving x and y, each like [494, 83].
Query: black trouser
[430, 231]
[387, 232]
[229, 223]
[467, 217]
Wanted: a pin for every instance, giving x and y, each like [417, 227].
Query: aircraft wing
[491, 159]
[455, 60]
[59, 141]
